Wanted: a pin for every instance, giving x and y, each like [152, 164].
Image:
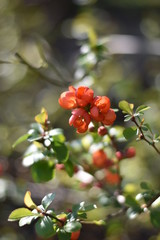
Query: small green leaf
[126, 107]
[145, 186]
[133, 204]
[21, 139]
[62, 235]
[89, 207]
[142, 108]
[34, 136]
[42, 171]
[130, 132]
[44, 227]
[47, 200]
[72, 226]
[155, 217]
[127, 118]
[61, 151]
[69, 167]
[20, 213]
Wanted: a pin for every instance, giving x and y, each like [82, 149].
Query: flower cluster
[86, 108]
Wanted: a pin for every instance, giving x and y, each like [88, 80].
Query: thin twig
[142, 136]
[51, 81]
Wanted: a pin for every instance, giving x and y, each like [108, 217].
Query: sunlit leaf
[20, 213]
[126, 107]
[28, 201]
[42, 117]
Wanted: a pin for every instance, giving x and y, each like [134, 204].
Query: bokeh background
[40, 42]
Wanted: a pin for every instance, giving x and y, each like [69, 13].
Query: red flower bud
[102, 131]
[130, 152]
[119, 155]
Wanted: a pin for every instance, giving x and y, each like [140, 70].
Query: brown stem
[153, 199]
[142, 136]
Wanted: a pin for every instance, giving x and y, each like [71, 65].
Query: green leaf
[62, 235]
[127, 118]
[47, 200]
[155, 217]
[142, 108]
[72, 226]
[130, 132]
[21, 139]
[44, 227]
[145, 186]
[34, 136]
[20, 213]
[89, 207]
[61, 151]
[42, 171]
[27, 220]
[133, 204]
[126, 107]
[69, 167]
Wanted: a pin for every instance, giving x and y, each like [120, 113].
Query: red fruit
[102, 131]
[119, 155]
[75, 235]
[130, 152]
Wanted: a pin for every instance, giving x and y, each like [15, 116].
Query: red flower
[84, 96]
[67, 99]
[100, 106]
[112, 178]
[101, 160]
[109, 117]
[80, 119]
